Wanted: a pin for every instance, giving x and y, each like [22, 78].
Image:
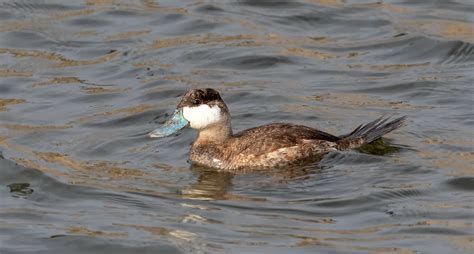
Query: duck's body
[272, 145]
[267, 146]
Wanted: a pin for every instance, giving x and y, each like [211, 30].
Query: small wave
[460, 52]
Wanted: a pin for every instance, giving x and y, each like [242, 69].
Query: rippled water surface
[82, 82]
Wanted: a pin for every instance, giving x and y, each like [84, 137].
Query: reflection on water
[82, 82]
[210, 185]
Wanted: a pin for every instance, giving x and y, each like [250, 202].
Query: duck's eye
[196, 101]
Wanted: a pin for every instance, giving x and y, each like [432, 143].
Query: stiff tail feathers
[369, 132]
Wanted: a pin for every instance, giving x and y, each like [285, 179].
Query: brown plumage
[271, 145]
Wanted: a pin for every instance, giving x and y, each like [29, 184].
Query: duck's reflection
[210, 185]
[215, 185]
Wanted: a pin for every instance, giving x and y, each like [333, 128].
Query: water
[82, 82]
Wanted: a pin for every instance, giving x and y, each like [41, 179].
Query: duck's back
[268, 138]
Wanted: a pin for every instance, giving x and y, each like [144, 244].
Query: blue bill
[173, 125]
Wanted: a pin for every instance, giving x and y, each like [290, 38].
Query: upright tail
[367, 133]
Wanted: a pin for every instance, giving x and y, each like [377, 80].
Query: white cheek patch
[201, 116]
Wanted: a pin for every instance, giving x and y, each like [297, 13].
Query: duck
[273, 145]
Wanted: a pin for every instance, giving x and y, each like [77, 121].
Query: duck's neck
[216, 134]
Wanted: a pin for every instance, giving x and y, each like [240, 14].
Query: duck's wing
[268, 138]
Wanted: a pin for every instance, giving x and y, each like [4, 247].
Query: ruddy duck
[267, 146]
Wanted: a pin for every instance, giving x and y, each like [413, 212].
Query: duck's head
[200, 109]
